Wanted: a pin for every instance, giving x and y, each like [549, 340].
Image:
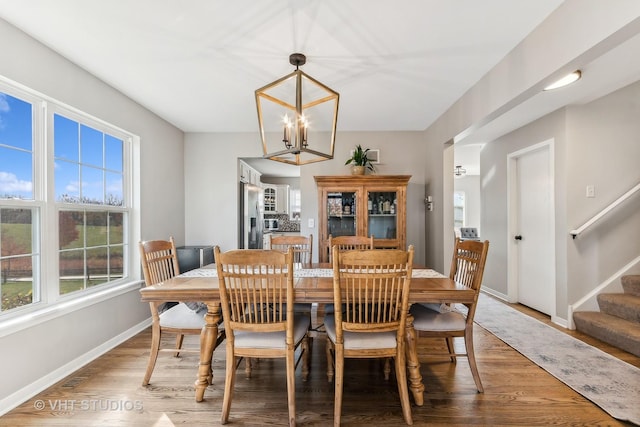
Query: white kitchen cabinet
[248, 175]
[276, 199]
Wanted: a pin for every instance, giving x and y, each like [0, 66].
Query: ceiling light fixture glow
[565, 81]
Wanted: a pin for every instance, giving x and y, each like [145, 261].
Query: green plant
[359, 158]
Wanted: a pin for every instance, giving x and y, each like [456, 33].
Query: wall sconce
[297, 116]
[459, 171]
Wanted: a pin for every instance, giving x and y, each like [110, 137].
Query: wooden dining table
[314, 285]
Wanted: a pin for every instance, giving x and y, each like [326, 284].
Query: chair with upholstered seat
[256, 293]
[302, 247]
[159, 262]
[374, 286]
[436, 320]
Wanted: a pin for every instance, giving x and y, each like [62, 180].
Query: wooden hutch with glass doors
[362, 205]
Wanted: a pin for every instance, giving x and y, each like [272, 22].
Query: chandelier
[297, 116]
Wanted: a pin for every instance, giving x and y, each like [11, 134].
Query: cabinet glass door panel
[269, 199]
[382, 207]
[341, 212]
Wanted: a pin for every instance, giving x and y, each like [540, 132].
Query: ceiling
[397, 65]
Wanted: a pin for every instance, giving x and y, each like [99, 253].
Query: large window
[64, 203]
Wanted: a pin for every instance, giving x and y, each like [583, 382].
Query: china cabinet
[362, 205]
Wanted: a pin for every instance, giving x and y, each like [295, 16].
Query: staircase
[618, 321]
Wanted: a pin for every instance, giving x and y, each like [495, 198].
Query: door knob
[518, 237]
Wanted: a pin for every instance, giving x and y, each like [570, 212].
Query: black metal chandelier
[297, 116]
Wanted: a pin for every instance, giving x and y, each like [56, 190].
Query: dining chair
[302, 248]
[255, 286]
[374, 286]
[159, 261]
[345, 243]
[302, 258]
[441, 321]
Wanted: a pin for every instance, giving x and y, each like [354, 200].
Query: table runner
[210, 271]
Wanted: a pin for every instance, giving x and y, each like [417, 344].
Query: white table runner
[210, 271]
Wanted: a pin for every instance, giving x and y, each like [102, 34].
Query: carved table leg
[413, 365]
[208, 338]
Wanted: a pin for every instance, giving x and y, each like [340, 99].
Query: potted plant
[359, 161]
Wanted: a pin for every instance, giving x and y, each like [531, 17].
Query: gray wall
[211, 181]
[46, 347]
[493, 166]
[595, 144]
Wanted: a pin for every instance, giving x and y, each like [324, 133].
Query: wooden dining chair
[302, 248]
[347, 243]
[256, 293]
[374, 285]
[436, 320]
[160, 262]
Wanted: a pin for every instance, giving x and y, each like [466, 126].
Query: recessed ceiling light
[566, 80]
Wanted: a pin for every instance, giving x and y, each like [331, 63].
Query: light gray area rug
[608, 382]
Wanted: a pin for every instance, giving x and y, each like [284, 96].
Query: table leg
[208, 339]
[413, 364]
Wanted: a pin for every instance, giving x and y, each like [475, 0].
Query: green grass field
[17, 237]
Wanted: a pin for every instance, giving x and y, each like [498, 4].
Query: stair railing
[603, 212]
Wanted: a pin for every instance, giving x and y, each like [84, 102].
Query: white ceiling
[398, 65]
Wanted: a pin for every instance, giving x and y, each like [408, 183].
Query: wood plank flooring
[108, 392]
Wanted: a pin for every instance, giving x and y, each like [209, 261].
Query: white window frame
[45, 221]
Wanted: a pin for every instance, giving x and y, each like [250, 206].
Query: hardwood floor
[108, 392]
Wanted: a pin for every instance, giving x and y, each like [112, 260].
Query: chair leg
[291, 386]
[339, 380]
[403, 388]
[306, 343]
[387, 368]
[468, 342]
[451, 348]
[179, 339]
[330, 360]
[229, 385]
[153, 355]
[247, 367]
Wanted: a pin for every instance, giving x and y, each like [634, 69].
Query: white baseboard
[26, 393]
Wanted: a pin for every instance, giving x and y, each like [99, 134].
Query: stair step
[625, 306]
[610, 329]
[631, 284]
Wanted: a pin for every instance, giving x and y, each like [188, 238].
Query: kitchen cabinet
[276, 199]
[247, 174]
[362, 205]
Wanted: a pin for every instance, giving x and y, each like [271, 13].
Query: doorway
[531, 256]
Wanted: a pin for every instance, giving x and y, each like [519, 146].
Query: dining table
[311, 285]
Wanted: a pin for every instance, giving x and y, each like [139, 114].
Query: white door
[531, 228]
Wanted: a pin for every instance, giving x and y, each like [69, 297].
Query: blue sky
[79, 151]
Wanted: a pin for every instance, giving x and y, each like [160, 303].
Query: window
[63, 188]
[295, 204]
[458, 209]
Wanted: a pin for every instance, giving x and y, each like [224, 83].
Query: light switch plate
[591, 191]
[311, 223]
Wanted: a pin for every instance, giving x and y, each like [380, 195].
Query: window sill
[40, 313]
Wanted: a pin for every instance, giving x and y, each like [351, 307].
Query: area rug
[608, 382]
